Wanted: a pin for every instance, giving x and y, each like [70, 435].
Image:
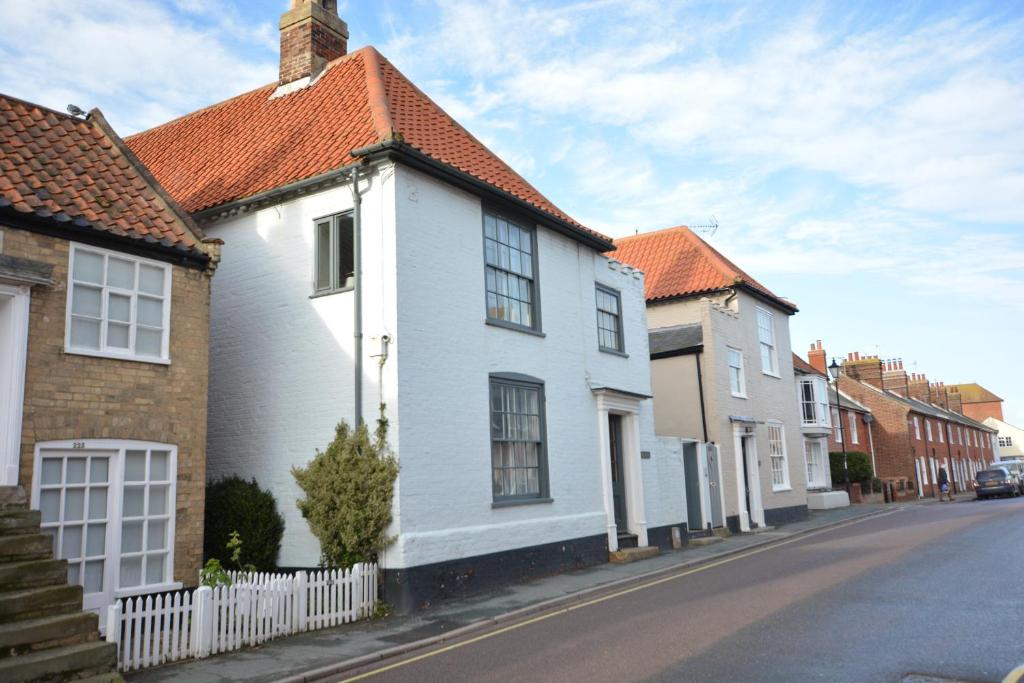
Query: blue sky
[867, 162]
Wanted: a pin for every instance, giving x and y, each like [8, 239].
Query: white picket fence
[154, 630]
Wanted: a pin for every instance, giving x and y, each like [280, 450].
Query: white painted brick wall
[281, 369]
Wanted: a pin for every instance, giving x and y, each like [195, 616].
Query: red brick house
[913, 435]
[104, 294]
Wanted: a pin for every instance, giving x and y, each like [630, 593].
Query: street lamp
[833, 370]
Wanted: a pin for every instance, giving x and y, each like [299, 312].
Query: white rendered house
[509, 353]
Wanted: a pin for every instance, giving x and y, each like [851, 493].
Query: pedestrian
[944, 493]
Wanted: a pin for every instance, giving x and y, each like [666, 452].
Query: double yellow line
[610, 596]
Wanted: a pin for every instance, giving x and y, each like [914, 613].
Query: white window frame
[804, 402]
[941, 431]
[917, 428]
[1005, 441]
[768, 347]
[742, 393]
[113, 352]
[781, 457]
[838, 433]
[928, 429]
[854, 434]
[820, 481]
[115, 493]
[821, 391]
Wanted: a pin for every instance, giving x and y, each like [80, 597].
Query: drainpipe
[357, 293]
[700, 393]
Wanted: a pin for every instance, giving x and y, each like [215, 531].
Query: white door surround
[746, 432]
[610, 402]
[14, 311]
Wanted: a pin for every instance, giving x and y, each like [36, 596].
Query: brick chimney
[867, 369]
[894, 375]
[312, 34]
[920, 388]
[818, 358]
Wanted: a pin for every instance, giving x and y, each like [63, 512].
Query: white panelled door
[76, 504]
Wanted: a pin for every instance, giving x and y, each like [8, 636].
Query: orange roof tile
[78, 172]
[253, 142]
[678, 263]
[800, 365]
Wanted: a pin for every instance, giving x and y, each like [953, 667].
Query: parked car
[997, 481]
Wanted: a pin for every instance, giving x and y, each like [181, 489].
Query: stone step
[705, 540]
[721, 532]
[624, 555]
[628, 540]
[760, 529]
[35, 603]
[26, 547]
[33, 574]
[13, 497]
[16, 521]
[66, 663]
[112, 677]
[21, 637]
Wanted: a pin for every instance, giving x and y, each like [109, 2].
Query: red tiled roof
[253, 143]
[677, 263]
[78, 172]
[803, 366]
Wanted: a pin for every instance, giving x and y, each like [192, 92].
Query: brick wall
[891, 431]
[306, 47]
[69, 396]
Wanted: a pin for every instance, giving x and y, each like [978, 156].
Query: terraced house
[104, 296]
[723, 375]
[376, 253]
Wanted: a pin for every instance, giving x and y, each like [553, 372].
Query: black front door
[618, 474]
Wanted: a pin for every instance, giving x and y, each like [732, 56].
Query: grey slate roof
[675, 338]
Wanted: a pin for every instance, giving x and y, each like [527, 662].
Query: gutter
[412, 157]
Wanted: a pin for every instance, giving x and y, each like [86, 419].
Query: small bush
[348, 490]
[239, 507]
[859, 464]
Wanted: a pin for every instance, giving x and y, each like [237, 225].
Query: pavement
[928, 593]
[320, 654]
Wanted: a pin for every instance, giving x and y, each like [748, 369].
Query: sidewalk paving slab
[308, 656]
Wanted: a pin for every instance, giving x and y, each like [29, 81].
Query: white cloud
[137, 61]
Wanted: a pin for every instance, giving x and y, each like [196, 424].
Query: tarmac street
[929, 592]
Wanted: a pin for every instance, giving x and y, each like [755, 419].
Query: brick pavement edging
[323, 672]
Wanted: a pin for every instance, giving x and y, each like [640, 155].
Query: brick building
[977, 402]
[913, 435]
[104, 295]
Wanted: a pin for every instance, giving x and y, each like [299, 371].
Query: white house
[737, 393]
[509, 354]
[1009, 441]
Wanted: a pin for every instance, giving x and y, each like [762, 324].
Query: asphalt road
[927, 591]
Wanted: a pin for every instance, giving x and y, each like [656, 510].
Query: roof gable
[803, 367]
[77, 173]
[255, 142]
[973, 393]
[677, 263]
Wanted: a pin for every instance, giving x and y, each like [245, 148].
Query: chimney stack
[818, 358]
[312, 34]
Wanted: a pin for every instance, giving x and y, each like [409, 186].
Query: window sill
[515, 327]
[145, 590]
[781, 489]
[743, 396]
[771, 374]
[613, 352]
[517, 503]
[117, 356]
[320, 295]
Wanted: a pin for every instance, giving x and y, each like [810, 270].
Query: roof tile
[60, 166]
[676, 263]
[255, 142]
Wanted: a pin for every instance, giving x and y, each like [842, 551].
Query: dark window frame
[518, 380]
[335, 285]
[531, 230]
[620, 336]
